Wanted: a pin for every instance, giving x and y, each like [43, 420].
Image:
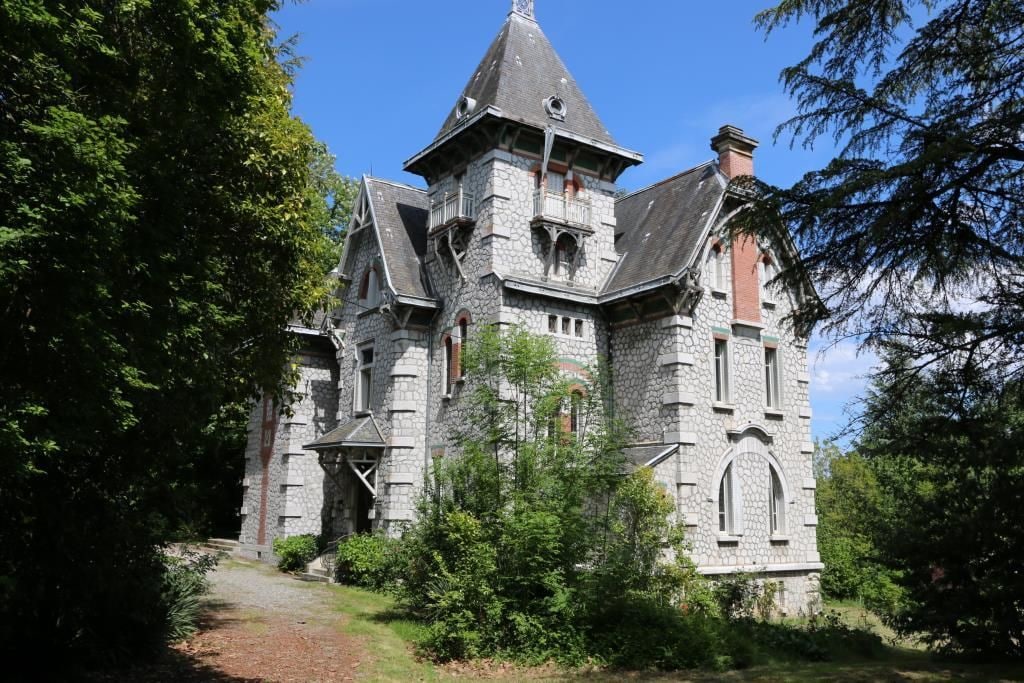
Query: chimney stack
[735, 151]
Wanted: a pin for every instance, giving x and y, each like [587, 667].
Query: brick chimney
[735, 151]
[735, 159]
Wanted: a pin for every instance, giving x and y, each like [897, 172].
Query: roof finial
[523, 8]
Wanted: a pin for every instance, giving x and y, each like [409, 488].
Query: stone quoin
[521, 222]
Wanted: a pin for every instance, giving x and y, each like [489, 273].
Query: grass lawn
[391, 639]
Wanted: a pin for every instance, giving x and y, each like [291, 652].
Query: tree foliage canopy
[162, 215]
[948, 459]
[914, 233]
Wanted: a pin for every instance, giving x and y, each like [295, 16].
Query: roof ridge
[394, 183]
[666, 180]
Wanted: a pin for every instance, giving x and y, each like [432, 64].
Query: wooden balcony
[452, 208]
[559, 208]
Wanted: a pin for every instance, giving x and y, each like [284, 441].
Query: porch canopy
[358, 444]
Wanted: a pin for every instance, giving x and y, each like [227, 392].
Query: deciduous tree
[162, 215]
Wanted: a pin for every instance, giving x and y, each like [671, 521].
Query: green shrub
[372, 561]
[184, 583]
[295, 552]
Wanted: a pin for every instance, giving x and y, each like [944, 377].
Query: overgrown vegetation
[373, 561]
[536, 541]
[184, 583]
[295, 552]
[162, 216]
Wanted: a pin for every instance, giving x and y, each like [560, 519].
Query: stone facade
[703, 368]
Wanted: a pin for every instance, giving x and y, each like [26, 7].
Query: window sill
[728, 538]
[446, 397]
[460, 380]
[719, 293]
[720, 407]
[767, 303]
[362, 413]
[775, 413]
[780, 539]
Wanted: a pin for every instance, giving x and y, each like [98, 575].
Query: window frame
[363, 395]
[449, 360]
[716, 268]
[721, 367]
[727, 508]
[772, 378]
[776, 503]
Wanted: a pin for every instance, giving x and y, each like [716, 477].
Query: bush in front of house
[372, 561]
[295, 552]
[184, 584]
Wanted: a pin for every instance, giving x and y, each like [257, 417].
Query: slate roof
[660, 226]
[639, 456]
[361, 431]
[401, 212]
[518, 73]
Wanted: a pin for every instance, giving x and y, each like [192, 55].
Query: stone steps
[220, 545]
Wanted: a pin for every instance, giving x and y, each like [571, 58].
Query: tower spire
[523, 8]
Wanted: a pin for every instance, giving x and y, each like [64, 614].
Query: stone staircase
[320, 570]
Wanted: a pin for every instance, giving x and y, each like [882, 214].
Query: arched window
[369, 292]
[448, 361]
[463, 338]
[767, 271]
[565, 256]
[727, 502]
[776, 504]
[716, 268]
[575, 405]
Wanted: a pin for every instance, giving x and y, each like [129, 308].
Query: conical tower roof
[519, 75]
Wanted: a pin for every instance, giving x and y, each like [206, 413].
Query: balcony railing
[560, 208]
[450, 207]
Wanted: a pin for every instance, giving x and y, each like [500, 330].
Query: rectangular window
[579, 328]
[364, 378]
[553, 324]
[566, 322]
[721, 371]
[771, 378]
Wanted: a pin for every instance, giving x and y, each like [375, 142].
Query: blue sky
[381, 75]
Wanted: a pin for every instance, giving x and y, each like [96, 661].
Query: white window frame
[720, 367]
[776, 503]
[363, 395]
[772, 378]
[728, 502]
[716, 268]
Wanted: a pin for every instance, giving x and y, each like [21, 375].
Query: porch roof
[647, 455]
[362, 431]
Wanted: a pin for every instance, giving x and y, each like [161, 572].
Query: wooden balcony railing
[450, 207]
[560, 208]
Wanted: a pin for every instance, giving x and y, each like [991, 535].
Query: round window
[465, 107]
[555, 107]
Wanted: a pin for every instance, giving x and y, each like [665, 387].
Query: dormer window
[555, 107]
[465, 107]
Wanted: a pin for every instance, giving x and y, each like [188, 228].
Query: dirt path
[261, 625]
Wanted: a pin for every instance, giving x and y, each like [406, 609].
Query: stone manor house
[521, 222]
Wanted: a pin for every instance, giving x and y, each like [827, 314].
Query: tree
[848, 503]
[914, 232]
[532, 540]
[949, 462]
[162, 215]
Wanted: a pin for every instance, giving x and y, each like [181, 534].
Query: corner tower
[521, 174]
